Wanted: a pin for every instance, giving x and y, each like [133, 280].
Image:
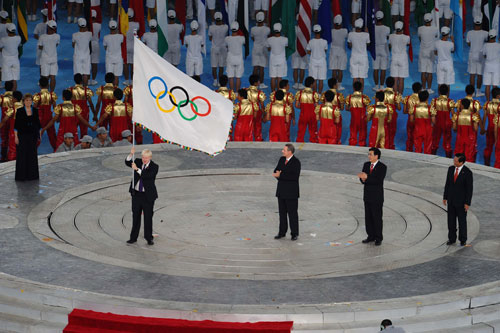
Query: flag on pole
[123, 26]
[180, 10]
[223, 9]
[336, 8]
[22, 25]
[176, 107]
[346, 13]
[288, 25]
[304, 24]
[162, 22]
[435, 18]
[242, 19]
[138, 7]
[275, 9]
[325, 20]
[51, 6]
[407, 28]
[368, 15]
[386, 9]
[202, 20]
[458, 26]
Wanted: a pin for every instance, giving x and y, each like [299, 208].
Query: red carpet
[80, 321]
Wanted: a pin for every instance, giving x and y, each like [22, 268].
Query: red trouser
[85, 115]
[11, 155]
[45, 115]
[391, 130]
[277, 130]
[497, 154]
[307, 118]
[257, 127]
[116, 126]
[4, 133]
[105, 103]
[442, 128]
[378, 134]
[358, 126]
[423, 135]
[288, 125]
[67, 125]
[466, 142]
[410, 127]
[490, 137]
[339, 131]
[328, 131]
[156, 139]
[243, 129]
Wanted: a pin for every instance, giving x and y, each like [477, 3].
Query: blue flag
[325, 20]
[223, 10]
[346, 13]
[368, 16]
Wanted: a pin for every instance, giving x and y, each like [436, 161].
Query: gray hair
[290, 147]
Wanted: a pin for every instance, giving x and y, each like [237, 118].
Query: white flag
[176, 107]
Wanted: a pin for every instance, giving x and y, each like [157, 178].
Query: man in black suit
[143, 191]
[287, 172]
[372, 177]
[457, 196]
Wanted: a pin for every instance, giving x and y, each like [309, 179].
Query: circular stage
[214, 227]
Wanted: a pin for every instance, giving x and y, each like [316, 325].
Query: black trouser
[140, 205]
[373, 220]
[455, 212]
[288, 207]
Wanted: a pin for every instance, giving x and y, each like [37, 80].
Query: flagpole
[133, 146]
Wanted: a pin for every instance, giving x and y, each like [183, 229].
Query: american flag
[51, 6]
[304, 31]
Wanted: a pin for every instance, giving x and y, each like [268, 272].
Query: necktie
[286, 161]
[141, 187]
[456, 175]
[371, 167]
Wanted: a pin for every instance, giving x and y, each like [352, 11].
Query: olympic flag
[176, 107]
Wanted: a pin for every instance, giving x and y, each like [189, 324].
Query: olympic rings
[185, 92]
[192, 104]
[158, 103]
[164, 84]
[206, 101]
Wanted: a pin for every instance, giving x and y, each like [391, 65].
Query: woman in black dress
[27, 133]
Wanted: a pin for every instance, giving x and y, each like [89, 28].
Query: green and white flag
[162, 27]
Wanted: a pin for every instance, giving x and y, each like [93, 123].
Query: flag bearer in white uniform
[48, 60]
[96, 47]
[194, 44]
[428, 34]
[151, 5]
[174, 31]
[397, 10]
[261, 5]
[398, 43]
[277, 59]
[81, 58]
[260, 54]
[444, 49]
[217, 33]
[476, 39]
[74, 8]
[338, 54]
[299, 64]
[491, 51]
[358, 41]
[235, 66]
[151, 38]
[40, 29]
[355, 10]
[133, 27]
[381, 61]
[10, 56]
[113, 45]
[317, 48]
[3, 33]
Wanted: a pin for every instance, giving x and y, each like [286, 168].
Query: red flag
[336, 7]
[180, 10]
[138, 8]
[407, 27]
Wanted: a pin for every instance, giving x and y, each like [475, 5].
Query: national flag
[87, 13]
[346, 13]
[457, 6]
[138, 7]
[180, 10]
[386, 9]
[202, 20]
[368, 15]
[223, 9]
[242, 19]
[231, 7]
[421, 9]
[288, 25]
[202, 118]
[275, 10]
[488, 11]
[162, 21]
[51, 6]
[435, 19]
[304, 24]
[123, 25]
[325, 20]
[407, 28]
[336, 8]
[8, 6]
[19, 16]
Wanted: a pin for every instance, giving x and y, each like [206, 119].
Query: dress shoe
[450, 243]
[279, 236]
[131, 241]
[294, 238]
[378, 243]
[150, 242]
[366, 241]
[462, 243]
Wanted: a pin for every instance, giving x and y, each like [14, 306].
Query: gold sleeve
[232, 96]
[336, 113]
[454, 118]
[475, 117]
[452, 104]
[130, 110]
[54, 96]
[412, 109]
[291, 97]
[391, 109]
[399, 98]
[268, 108]
[98, 92]
[322, 98]
[433, 111]
[370, 109]
[271, 97]
[109, 109]
[262, 97]
[36, 99]
[288, 110]
[477, 105]
[57, 110]
[495, 120]
[297, 96]
[341, 99]
[316, 97]
[90, 93]
[366, 100]
[78, 109]
[317, 109]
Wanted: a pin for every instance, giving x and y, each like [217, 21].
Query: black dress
[28, 132]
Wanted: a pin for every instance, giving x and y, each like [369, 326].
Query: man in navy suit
[457, 196]
[287, 172]
[372, 177]
[144, 194]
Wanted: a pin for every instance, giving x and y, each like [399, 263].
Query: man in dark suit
[457, 196]
[287, 172]
[144, 194]
[372, 177]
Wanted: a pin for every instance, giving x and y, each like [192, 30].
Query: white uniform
[10, 60]
[491, 74]
[3, 33]
[359, 57]
[194, 60]
[81, 56]
[445, 72]
[476, 38]
[77, 1]
[381, 61]
[173, 54]
[130, 41]
[398, 7]
[444, 9]
[495, 22]
[94, 3]
[150, 3]
[235, 67]
[356, 6]
[317, 59]
[114, 60]
[260, 53]
[151, 40]
[40, 29]
[96, 47]
[277, 62]
[218, 52]
[48, 58]
[426, 58]
[261, 5]
[399, 61]
[338, 54]
[298, 62]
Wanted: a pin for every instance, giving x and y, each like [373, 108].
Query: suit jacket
[374, 184]
[148, 176]
[288, 182]
[458, 193]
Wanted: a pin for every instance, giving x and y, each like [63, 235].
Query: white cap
[260, 17]
[478, 19]
[235, 26]
[171, 14]
[194, 25]
[11, 27]
[101, 130]
[358, 23]
[113, 24]
[445, 30]
[379, 15]
[52, 24]
[492, 33]
[428, 18]
[93, 13]
[44, 12]
[153, 23]
[130, 12]
[317, 28]
[4, 14]
[218, 16]
[126, 133]
[337, 19]
[82, 23]
[68, 135]
[398, 25]
[277, 27]
[86, 138]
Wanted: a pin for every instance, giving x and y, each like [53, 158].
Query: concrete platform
[214, 250]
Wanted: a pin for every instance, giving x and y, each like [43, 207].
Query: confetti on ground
[332, 244]
[47, 239]
[349, 243]
[208, 215]
[300, 244]
[468, 245]
[244, 238]
[313, 235]
[156, 235]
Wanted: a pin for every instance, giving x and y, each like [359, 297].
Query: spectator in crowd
[102, 140]
[68, 143]
[85, 143]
